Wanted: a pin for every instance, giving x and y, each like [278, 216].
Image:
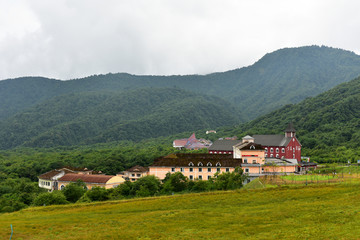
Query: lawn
[327, 211]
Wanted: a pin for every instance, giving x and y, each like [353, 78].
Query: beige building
[134, 173]
[91, 180]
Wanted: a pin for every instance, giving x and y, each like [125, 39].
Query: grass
[327, 211]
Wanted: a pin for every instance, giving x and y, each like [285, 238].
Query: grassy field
[327, 211]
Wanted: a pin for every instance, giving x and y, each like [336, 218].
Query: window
[191, 169]
[265, 149]
[209, 164]
[191, 177]
[293, 155]
[271, 150]
[283, 150]
[62, 187]
[209, 177]
[254, 161]
[181, 169]
[138, 175]
[227, 170]
[191, 164]
[265, 155]
[271, 155]
[209, 169]
[277, 155]
[245, 160]
[133, 174]
[173, 169]
[246, 170]
[218, 164]
[293, 149]
[200, 177]
[252, 147]
[200, 164]
[218, 169]
[277, 150]
[200, 169]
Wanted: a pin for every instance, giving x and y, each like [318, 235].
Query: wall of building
[204, 174]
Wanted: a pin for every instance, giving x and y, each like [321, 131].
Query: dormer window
[252, 147]
[200, 164]
[191, 164]
[209, 164]
[218, 164]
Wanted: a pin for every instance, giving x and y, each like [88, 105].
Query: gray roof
[272, 140]
[224, 145]
[278, 162]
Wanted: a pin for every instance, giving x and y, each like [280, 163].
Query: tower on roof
[247, 138]
[290, 130]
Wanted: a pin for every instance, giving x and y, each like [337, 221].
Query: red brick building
[276, 146]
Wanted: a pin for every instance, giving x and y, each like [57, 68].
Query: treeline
[31, 195]
[88, 118]
[144, 187]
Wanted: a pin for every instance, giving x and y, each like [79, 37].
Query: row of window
[191, 177]
[277, 150]
[253, 161]
[209, 164]
[44, 183]
[199, 169]
[138, 175]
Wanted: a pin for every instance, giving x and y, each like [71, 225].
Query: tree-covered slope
[279, 78]
[94, 117]
[329, 119]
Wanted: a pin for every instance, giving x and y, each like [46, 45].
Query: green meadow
[319, 211]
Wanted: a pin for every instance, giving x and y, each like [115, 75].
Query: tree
[74, 191]
[230, 180]
[146, 186]
[97, 194]
[175, 182]
[54, 198]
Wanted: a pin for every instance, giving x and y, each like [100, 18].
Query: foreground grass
[312, 212]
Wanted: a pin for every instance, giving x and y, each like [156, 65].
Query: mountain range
[41, 112]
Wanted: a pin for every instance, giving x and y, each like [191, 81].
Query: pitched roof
[224, 145]
[87, 178]
[49, 175]
[138, 168]
[250, 146]
[184, 160]
[272, 140]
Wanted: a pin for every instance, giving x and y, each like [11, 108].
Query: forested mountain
[96, 117]
[331, 119]
[279, 78]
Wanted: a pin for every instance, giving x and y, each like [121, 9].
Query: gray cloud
[69, 39]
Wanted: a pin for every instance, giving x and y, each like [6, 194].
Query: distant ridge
[100, 117]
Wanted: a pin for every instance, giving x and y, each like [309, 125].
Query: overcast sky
[67, 39]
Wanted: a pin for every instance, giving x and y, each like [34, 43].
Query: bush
[97, 194]
[54, 198]
[74, 191]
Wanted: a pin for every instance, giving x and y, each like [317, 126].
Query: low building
[134, 173]
[200, 166]
[91, 180]
[49, 179]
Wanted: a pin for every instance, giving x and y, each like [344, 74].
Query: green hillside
[95, 117]
[317, 212]
[330, 120]
[281, 77]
